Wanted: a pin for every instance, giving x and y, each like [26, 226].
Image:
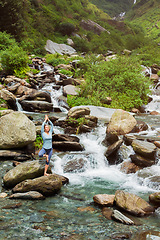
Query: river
[72, 213]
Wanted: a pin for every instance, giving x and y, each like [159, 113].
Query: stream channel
[72, 212]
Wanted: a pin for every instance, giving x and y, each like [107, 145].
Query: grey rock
[70, 90]
[53, 48]
[16, 131]
[74, 165]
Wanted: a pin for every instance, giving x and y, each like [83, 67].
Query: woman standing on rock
[47, 142]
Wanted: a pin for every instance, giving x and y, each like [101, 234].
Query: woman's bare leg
[46, 167]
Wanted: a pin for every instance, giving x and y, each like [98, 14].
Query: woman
[47, 142]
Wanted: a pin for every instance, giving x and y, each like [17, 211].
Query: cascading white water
[19, 107]
[55, 94]
[96, 166]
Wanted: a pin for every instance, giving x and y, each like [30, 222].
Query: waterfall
[19, 107]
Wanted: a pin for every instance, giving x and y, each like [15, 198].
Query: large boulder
[9, 98]
[64, 137]
[23, 171]
[33, 106]
[53, 48]
[78, 112]
[144, 149]
[132, 203]
[17, 131]
[121, 122]
[46, 185]
[23, 90]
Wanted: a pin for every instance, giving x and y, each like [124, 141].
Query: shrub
[121, 79]
[66, 72]
[14, 59]
[66, 28]
[55, 59]
[38, 142]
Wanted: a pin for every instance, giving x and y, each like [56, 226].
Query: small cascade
[19, 107]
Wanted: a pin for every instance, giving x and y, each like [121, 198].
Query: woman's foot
[46, 174]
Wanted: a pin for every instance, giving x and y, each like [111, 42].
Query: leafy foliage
[121, 79]
[55, 59]
[14, 60]
[38, 142]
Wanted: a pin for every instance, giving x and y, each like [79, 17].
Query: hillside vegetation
[146, 13]
[113, 7]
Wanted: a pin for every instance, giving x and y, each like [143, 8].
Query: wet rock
[154, 78]
[121, 122]
[104, 199]
[3, 195]
[84, 129]
[78, 112]
[135, 110]
[32, 195]
[23, 90]
[16, 131]
[74, 165]
[67, 146]
[64, 137]
[154, 198]
[37, 94]
[132, 203]
[70, 90]
[141, 161]
[144, 149]
[70, 130]
[33, 106]
[13, 88]
[12, 154]
[64, 179]
[157, 144]
[91, 118]
[140, 126]
[121, 218]
[26, 170]
[128, 139]
[146, 235]
[121, 236]
[12, 206]
[107, 212]
[113, 147]
[111, 138]
[15, 163]
[129, 167]
[154, 113]
[46, 185]
[9, 98]
[71, 81]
